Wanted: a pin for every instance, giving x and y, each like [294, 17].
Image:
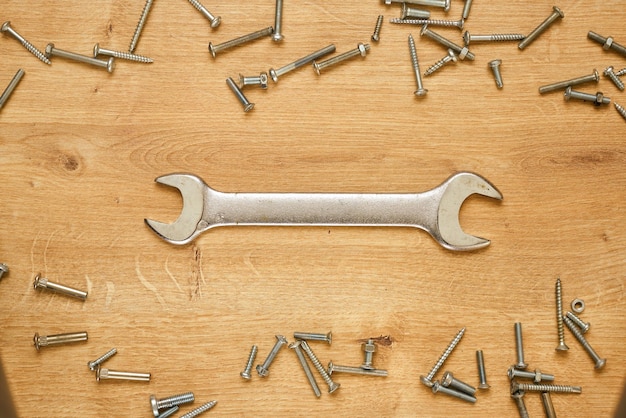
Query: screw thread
[131, 57]
[501, 37]
[31, 48]
[93, 364]
[437, 65]
[530, 387]
[199, 410]
[140, 25]
[583, 341]
[246, 372]
[413, 52]
[582, 325]
[521, 406]
[559, 316]
[379, 24]
[214, 49]
[339, 58]
[317, 364]
[620, 72]
[620, 109]
[445, 354]
[202, 9]
[596, 37]
[175, 400]
[434, 22]
[615, 79]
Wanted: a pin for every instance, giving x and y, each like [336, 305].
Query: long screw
[537, 376]
[278, 22]
[421, 91]
[93, 365]
[620, 72]
[556, 14]
[607, 43]
[445, 4]
[170, 401]
[214, 49]
[450, 57]
[439, 388]
[519, 347]
[103, 374]
[332, 386]
[247, 106]
[98, 50]
[466, 9]
[305, 366]
[594, 76]
[140, 25]
[263, 369]
[494, 37]
[246, 371]
[546, 399]
[43, 283]
[463, 52]
[620, 109]
[300, 62]
[433, 22]
[582, 325]
[495, 68]
[314, 336]
[379, 25]
[108, 64]
[518, 397]
[558, 293]
[428, 379]
[597, 99]
[3, 99]
[482, 375]
[334, 368]
[361, 49]
[6, 27]
[48, 340]
[412, 13]
[610, 73]
[215, 20]
[530, 387]
[449, 381]
[599, 362]
[199, 410]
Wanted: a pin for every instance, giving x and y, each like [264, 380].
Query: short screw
[314, 336]
[445, 4]
[433, 22]
[246, 371]
[6, 27]
[495, 67]
[597, 99]
[620, 109]
[450, 57]
[369, 348]
[546, 399]
[594, 76]
[494, 37]
[463, 52]
[259, 80]
[449, 381]
[421, 91]
[438, 387]
[620, 72]
[518, 397]
[361, 50]
[556, 14]
[305, 366]
[599, 362]
[108, 64]
[103, 374]
[214, 49]
[332, 386]
[263, 369]
[300, 62]
[247, 106]
[140, 25]
[169, 412]
[215, 20]
[537, 376]
[519, 347]
[607, 43]
[609, 72]
[199, 410]
[482, 375]
[582, 325]
[170, 401]
[530, 387]
[559, 314]
[93, 365]
[48, 340]
[334, 368]
[4, 269]
[43, 283]
[379, 24]
[412, 13]
[97, 50]
[428, 379]
[466, 9]
[278, 22]
[3, 99]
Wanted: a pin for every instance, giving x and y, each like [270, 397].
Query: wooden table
[81, 149]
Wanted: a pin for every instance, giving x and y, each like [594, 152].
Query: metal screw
[449, 381]
[518, 397]
[369, 348]
[421, 91]
[495, 67]
[108, 64]
[97, 50]
[103, 374]
[199, 410]
[546, 398]
[594, 76]
[332, 386]
[482, 375]
[463, 52]
[314, 336]
[43, 283]
[140, 25]
[466, 9]
[620, 72]
[438, 387]
[379, 24]
[305, 366]
[494, 37]
[582, 325]
[519, 347]
[559, 313]
[6, 27]
[300, 62]
[530, 387]
[450, 57]
[334, 368]
[434, 22]
[597, 99]
[169, 412]
[170, 401]
[259, 80]
[609, 72]
[263, 369]
[278, 22]
[427, 380]
[93, 365]
[361, 49]
[47, 340]
[247, 106]
[537, 376]
[3, 267]
[246, 372]
[620, 109]
[410, 12]
[215, 20]
[556, 14]
[3, 99]
[607, 43]
[599, 362]
[214, 49]
[445, 4]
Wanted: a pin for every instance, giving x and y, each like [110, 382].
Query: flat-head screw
[214, 49]
[463, 52]
[314, 336]
[247, 106]
[439, 388]
[519, 346]
[379, 24]
[582, 325]
[449, 381]
[6, 28]
[559, 312]
[215, 20]
[93, 365]
[494, 37]
[536, 376]
[300, 62]
[518, 397]
[428, 379]
[495, 68]
[421, 91]
[369, 348]
[556, 14]
[48, 340]
[361, 50]
[263, 369]
[278, 22]
[199, 410]
[3, 99]
[620, 109]
[450, 57]
[607, 43]
[482, 375]
[411, 13]
[139, 28]
[108, 64]
[43, 283]
[609, 72]
[546, 399]
[170, 401]
[295, 346]
[98, 50]
[531, 387]
[433, 22]
[4, 269]
[594, 76]
[445, 4]
[334, 368]
[332, 386]
[597, 99]
[599, 362]
[246, 371]
[104, 374]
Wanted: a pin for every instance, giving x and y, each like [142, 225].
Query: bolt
[582, 325]
[421, 91]
[428, 380]
[410, 12]
[199, 410]
[594, 76]
[246, 372]
[556, 14]
[169, 412]
[278, 22]
[140, 24]
[170, 401]
[247, 106]
[519, 347]
[620, 109]
[46, 340]
[495, 67]
[43, 283]
[108, 64]
[6, 27]
[313, 336]
[102, 374]
[3, 98]
[607, 43]
[450, 57]
[215, 20]
[599, 362]
[379, 24]
[494, 37]
[537, 376]
[300, 62]
[559, 313]
[438, 387]
[97, 50]
[259, 80]
[449, 381]
[461, 51]
[263, 369]
[434, 22]
[445, 4]
[482, 375]
[466, 9]
[609, 72]
[3, 267]
[332, 386]
[546, 398]
[529, 387]
[361, 49]
[305, 366]
[597, 99]
[518, 397]
[214, 49]
[93, 365]
[334, 368]
[369, 348]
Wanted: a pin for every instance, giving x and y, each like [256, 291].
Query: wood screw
[199, 410]
[530, 387]
[98, 50]
[379, 24]
[140, 25]
[451, 57]
[428, 379]
[170, 401]
[518, 397]
[582, 325]
[263, 369]
[6, 28]
[246, 371]
[599, 362]
[332, 386]
[559, 312]
[215, 20]
[620, 109]
[421, 91]
[434, 22]
[610, 73]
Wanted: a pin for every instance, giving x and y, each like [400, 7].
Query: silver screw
[559, 314]
[214, 49]
[450, 57]
[369, 348]
[594, 76]
[47, 340]
[169, 412]
[449, 381]
[199, 410]
[246, 371]
[620, 109]
[530, 387]
[556, 14]
[466, 9]
[97, 50]
[263, 369]
[438, 387]
[482, 375]
[361, 49]
[334, 368]
[43, 283]
[434, 22]
[379, 24]
[609, 72]
[108, 64]
[421, 91]
[518, 397]
[620, 72]
[445, 4]
[495, 68]
[463, 52]
[599, 362]
[215, 20]
[140, 25]
[494, 37]
[546, 399]
[247, 106]
[258, 80]
[305, 366]
[170, 401]
[537, 376]
[607, 43]
[428, 379]
[3, 267]
[582, 325]
[597, 99]
[332, 386]
[3, 99]
[278, 22]
[103, 374]
[6, 27]
[519, 346]
[93, 365]
[314, 336]
[412, 13]
[300, 62]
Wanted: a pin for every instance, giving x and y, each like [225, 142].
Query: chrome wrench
[436, 211]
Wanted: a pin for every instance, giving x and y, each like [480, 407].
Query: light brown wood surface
[80, 149]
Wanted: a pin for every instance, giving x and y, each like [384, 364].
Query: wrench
[436, 211]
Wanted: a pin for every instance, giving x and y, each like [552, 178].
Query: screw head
[262, 371]
[608, 70]
[446, 6]
[446, 380]
[423, 30]
[466, 38]
[98, 373]
[154, 405]
[495, 63]
[96, 50]
[316, 67]
[599, 99]
[568, 93]
[596, 75]
[521, 366]
[426, 382]
[483, 386]
[273, 74]
[3, 269]
[38, 281]
[277, 37]
[421, 92]
[36, 341]
[263, 77]
[452, 55]
[110, 64]
[563, 346]
[333, 387]
[600, 363]
[216, 22]
[435, 387]
[559, 11]
[5, 26]
[212, 49]
[331, 368]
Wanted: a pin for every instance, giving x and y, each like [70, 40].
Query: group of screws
[171, 404]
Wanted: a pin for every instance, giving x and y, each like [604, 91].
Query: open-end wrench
[436, 211]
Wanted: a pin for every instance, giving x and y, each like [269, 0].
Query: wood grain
[81, 149]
